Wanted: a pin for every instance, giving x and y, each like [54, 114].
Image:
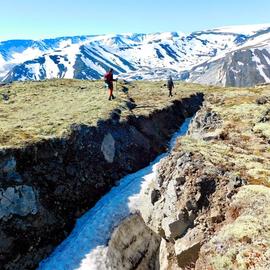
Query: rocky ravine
[45, 186]
[208, 206]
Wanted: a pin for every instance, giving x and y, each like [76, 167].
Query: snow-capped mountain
[205, 56]
[245, 65]
[15, 52]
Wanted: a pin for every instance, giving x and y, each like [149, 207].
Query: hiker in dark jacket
[108, 78]
[170, 85]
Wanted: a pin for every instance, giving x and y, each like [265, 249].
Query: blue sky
[50, 18]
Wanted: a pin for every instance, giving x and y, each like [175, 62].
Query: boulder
[175, 228]
[19, 200]
[187, 248]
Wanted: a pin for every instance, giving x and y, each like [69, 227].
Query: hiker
[170, 85]
[108, 78]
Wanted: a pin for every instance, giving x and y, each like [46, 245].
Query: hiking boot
[110, 98]
[113, 97]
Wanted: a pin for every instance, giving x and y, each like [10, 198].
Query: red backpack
[108, 77]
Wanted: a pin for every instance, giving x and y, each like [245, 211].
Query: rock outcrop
[133, 246]
[193, 200]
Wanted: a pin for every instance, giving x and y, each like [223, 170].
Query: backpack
[107, 78]
[170, 83]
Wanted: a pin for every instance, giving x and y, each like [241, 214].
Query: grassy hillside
[36, 110]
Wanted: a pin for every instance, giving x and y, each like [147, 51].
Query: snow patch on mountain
[29, 53]
[262, 68]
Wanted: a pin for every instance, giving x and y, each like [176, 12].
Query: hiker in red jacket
[108, 78]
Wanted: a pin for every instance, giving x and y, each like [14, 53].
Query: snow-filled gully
[86, 246]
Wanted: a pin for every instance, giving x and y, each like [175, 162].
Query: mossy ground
[241, 143]
[38, 110]
[244, 243]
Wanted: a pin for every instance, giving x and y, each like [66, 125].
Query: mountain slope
[133, 56]
[245, 66]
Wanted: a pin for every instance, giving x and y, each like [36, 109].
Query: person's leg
[111, 91]
[170, 92]
[113, 97]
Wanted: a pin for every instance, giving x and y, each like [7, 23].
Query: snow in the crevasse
[85, 248]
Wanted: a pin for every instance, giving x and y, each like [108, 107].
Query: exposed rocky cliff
[45, 186]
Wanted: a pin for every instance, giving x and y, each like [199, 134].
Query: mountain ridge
[133, 56]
